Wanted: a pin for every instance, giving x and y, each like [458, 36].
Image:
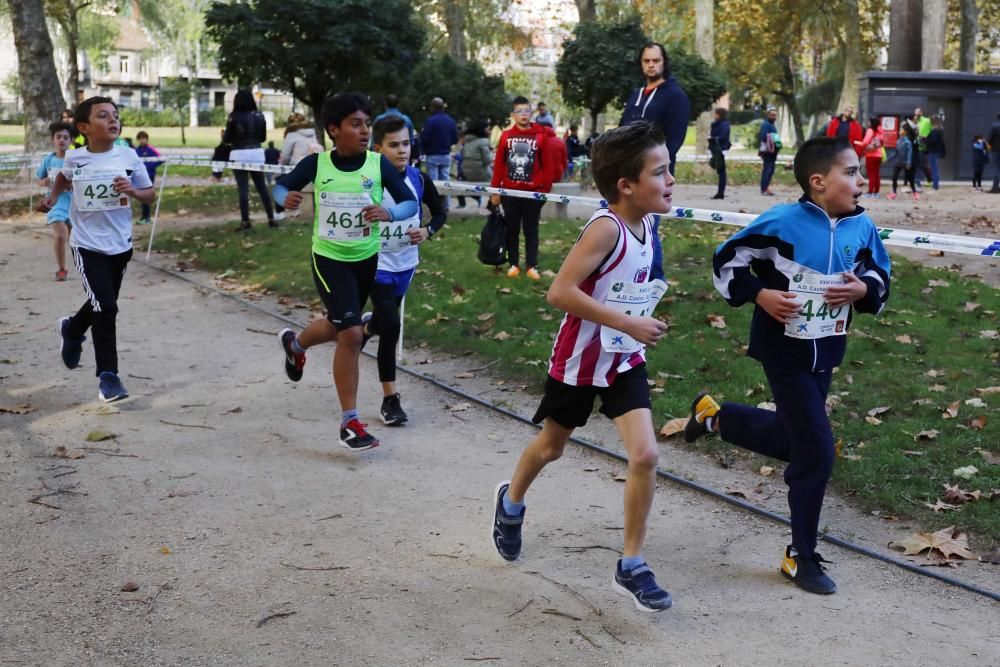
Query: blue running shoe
[112, 388]
[506, 528]
[640, 585]
[71, 348]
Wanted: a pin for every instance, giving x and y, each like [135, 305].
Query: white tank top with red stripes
[578, 356]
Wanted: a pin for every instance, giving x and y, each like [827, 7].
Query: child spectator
[979, 157]
[604, 287]
[904, 161]
[271, 156]
[806, 266]
[144, 150]
[871, 147]
[58, 216]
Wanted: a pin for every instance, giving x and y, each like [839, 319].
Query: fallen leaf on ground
[22, 409]
[904, 339]
[63, 453]
[976, 402]
[716, 321]
[758, 493]
[990, 458]
[881, 410]
[767, 405]
[978, 423]
[100, 436]
[483, 317]
[984, 391]
[947, 542]
[504, 290]
[927, 435]
[673, 427]
[108, 410]
[165, 551]
[874, 421]
[459, 407]
[922, 401]
[465, 376]
[951, 411]
[957, 496]
[766, 471]
[965, 472]
[989, 334]
[934, 373]
[970, 306]
[937, 388]
[941, 506]
[938, 283]
[501, 335]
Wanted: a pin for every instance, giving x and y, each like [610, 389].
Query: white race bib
[636, 300]
[394, 236]
[340, 216]
[92, 190]
[816, 319]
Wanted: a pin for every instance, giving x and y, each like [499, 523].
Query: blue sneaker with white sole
[111, 388]
[640, 585]
[71, 348]
[506, 528]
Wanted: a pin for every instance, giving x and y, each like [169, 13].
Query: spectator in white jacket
[300, 141]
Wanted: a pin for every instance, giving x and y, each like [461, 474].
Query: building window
[203, 102]
[123, 64]
[220, 98]
[144, 99]
[125, 98]
[105, 68]
[144, 68]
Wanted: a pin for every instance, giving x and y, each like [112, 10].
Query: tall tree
[969, 33]
[469, 92]
[587, 9]
[905, 35]
[454, 22]
[298, 46]
[464, 29]
[37, 72]
[935, 17]
[84, 26]
[704, 42]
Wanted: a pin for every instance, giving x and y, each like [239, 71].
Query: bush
[215, 117]
[140, 118]
[740, 117]
[747, 134]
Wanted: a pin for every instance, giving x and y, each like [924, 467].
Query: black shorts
[570, 406]
[344, 287]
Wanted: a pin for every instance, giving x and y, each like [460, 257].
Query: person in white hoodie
[300, 141]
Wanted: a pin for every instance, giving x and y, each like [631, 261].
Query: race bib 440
[816, 318]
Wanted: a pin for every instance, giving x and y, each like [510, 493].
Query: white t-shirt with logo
[102, 219]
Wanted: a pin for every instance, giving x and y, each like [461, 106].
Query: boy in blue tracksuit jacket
[807, 266]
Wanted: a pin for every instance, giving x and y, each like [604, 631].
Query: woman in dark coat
[718, 141]
[245, 130]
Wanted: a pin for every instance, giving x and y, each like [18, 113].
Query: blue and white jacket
[794, 238]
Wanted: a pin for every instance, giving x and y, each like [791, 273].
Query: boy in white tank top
[604, 287]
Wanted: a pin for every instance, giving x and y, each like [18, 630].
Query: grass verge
[925, 353]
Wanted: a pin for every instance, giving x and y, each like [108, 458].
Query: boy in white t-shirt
[103, 177]
[58, 215]
[604, 286]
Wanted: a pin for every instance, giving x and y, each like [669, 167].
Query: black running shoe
[703, 406]
[640, 585]
[294, 363]
[392, 411]
[807, 573]
[506, 528]
[71, 348]
[353, 436]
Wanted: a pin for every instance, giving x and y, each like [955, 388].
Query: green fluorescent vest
[356, 186]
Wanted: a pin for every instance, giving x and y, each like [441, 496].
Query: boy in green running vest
[348, 183]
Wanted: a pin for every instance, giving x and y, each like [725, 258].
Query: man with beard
[664, 102]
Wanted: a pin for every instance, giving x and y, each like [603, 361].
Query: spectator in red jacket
[526, 159]
[845, 126]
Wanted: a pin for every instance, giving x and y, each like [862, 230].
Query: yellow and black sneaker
[703, 407]
[807, 573]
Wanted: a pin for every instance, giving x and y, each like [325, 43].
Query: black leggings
[909, 176]
[385, 324]
[243, 185]
[517, 211]
[102, 277]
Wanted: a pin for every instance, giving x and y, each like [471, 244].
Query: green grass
[459, 305]
[161, 137]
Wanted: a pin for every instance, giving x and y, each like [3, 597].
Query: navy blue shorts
[399, 280]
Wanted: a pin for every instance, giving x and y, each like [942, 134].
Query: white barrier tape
[966, 245]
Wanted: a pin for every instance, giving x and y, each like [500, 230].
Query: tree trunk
[70, 24]
[39, 82]
[970, 30]
[850, 91]
[454, 22]
[587, 9]
[594, 113]
[935, 17]
[905, 18]
[787, 95]
[704, 42]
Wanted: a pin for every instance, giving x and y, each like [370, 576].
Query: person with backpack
[524, 161]
[770, 146]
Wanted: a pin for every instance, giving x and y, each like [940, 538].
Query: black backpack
[493, 240]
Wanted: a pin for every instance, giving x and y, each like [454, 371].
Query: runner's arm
[434, 205]
[303, 174]
[406, 204]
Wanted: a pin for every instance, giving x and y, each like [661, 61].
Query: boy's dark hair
[387, 125]
[243, 101]
[141, 134]
[723, 112]
[520, 99]
[663, 52]
[621, 153]
[82, 113]
[391, 100]
[60, 126]
[270, 144]
[339, 107]
[817, 156]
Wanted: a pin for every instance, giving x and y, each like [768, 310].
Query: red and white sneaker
[294, 363]
[354, 436]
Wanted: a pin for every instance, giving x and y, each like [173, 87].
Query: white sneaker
[279, 215]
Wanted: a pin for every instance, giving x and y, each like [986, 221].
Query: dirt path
[255, 540]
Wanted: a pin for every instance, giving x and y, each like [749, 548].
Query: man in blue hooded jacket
[664, 102]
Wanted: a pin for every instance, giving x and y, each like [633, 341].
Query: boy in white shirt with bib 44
[104, 178]
[604, 287]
